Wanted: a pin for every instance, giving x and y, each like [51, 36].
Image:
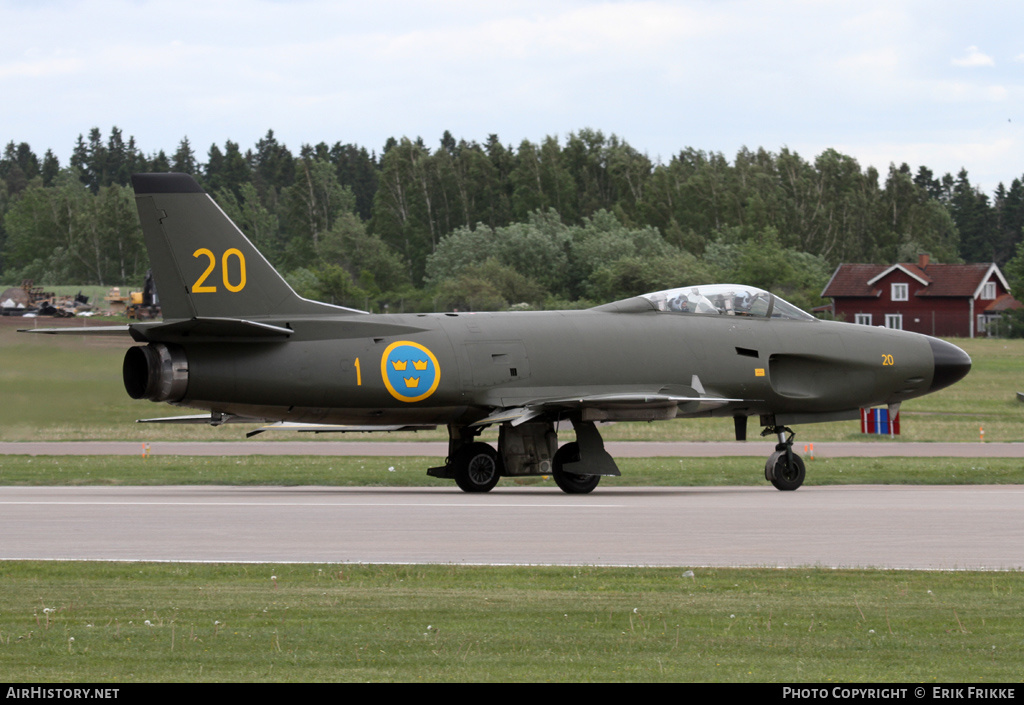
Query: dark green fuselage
[329, 370]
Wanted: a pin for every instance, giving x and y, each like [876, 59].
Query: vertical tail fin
[203, 265]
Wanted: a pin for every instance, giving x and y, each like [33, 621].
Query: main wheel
[570, 482]
[778, 471]
[476, 468]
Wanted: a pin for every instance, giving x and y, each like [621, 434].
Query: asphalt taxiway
[946, 528]
[618, 449]
[898, 527]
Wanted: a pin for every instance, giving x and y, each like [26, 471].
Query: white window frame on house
[988, 292]
[900, 291]
[894, 321]
[863, 319]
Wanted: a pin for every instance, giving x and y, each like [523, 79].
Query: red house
[949, 300]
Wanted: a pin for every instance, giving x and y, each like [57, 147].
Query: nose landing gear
[784, 468]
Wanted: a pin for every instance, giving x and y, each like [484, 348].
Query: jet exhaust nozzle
[951, 364]
[157, 372]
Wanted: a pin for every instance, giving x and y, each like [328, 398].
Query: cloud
[661, 74]
[974, 58]
[947, 92]
[41, 68]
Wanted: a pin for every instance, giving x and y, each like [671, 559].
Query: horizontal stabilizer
[80, 330]
[210, 329]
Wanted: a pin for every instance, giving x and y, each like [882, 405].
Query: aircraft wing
[213, 419]
[337, 428]
[216, 419]
[609, 407]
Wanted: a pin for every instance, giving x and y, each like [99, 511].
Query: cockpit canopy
[725, 300]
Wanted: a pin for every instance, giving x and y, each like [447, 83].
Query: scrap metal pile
[29, 300]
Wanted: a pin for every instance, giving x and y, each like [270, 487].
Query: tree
[253, 218]
[913, 223]
[974, 221]
[312, 204]
[632, 275]
[67, 234]
[368, 259]
[228, 170]
[629, 173]
[499, 197]
[91, 160]
[489, 286]
[403, 208]
[1014, 269]
[358, 170]
[1009, 219]
[122, 160]
[761, 261]
[18, 166]
[184, 159]
[541, 181]
[537, 249]
[273, 168]
[51, 167]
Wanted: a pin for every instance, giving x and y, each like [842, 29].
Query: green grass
[446, 623]
[87, 622]
[411, 471]
[139, 622]
[62, 388]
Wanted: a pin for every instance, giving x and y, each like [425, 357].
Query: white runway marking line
[309, 504]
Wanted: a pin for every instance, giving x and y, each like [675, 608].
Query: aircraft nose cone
[951, 364]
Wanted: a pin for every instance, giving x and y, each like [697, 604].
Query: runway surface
[948, 527]
[619, 449]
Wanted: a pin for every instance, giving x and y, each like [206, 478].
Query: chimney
[922, 261]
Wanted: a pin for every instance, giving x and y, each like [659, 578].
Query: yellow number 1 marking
[359, 374]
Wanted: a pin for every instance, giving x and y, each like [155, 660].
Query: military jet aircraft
[238, 342]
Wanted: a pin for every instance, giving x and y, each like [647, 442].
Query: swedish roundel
[410, 371]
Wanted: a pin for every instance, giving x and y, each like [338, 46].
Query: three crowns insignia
[418, 365]
[411, 372]
[402, 365]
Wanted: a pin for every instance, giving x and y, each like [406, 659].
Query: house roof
[912, 270]
[852, 280]
[1004, 303]
[960, 280]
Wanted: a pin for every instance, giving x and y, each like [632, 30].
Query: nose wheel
[784, 468]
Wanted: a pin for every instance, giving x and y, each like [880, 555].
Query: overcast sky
[937, 83]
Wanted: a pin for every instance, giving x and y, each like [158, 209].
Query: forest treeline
[560, 223]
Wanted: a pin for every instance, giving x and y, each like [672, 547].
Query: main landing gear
[529, 449]
[784, 468]
[476, 468]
